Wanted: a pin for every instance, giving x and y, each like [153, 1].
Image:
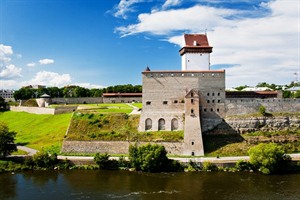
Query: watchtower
[195, 53]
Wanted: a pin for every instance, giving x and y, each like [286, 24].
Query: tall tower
[195, 54]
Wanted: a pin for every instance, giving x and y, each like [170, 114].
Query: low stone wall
[41, 110]
[33, 110]
[80, 100]
[113, 147]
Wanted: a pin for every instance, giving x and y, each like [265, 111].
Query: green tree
[268, 157]
[7, 138]
[3, 104]
[149, 158]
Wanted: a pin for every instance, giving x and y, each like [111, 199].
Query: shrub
[268, 158]
[103, 161]
[208, 166]
[149, 158]
[44, 160]
[243, 165]
[262, 110]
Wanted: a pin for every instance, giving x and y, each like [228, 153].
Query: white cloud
[31, 64]
[170, 3]
[5, 53]
[124, 7]
[196, 19]
[46, 61]
[264, 48]
[10, 71]
[9, 84]
[88, 85]
[49, 79]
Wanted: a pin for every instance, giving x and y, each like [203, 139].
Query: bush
[208, 166]
[262, 110]
[149, 158]
[268, 158]
[44, 160]
[243, 165]
[103, 161]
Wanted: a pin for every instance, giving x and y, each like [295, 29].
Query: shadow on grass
[22, 143]
[221, 136]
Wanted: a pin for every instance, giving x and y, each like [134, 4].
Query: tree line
[74, 91]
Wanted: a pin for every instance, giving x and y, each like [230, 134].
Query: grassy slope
[98, 126]
[37, 131]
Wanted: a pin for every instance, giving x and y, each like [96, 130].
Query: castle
[193, 99]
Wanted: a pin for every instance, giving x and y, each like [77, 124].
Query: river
[85, 184]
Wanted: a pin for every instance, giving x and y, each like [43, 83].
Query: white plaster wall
[195, 61]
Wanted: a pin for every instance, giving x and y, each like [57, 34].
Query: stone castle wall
[75, 100]
[249, 106]
[113, 147]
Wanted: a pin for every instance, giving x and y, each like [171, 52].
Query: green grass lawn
[37, 131]
[139, 105]
[108, 107]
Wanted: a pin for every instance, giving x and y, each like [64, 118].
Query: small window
[213, 94]
[175, 101]
[204, 109]
[219, 101]
[207, 94]
[192, 143]
[165, 102]
[211, 110]
[192, 100]
[219, 94]
[192, 94]
[208, 101]
[213, 101]
[213, 75]
[218, 109]
[192, 111]
[193, 153]
[148, 103]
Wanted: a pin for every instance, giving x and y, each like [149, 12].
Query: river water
[85, 184]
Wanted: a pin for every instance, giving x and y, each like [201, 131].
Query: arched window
[161, 124]
[148, 124]
[174, 124]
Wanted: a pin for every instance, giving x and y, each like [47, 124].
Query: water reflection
[131, 185]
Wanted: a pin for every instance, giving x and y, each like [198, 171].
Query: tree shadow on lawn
[221, 136]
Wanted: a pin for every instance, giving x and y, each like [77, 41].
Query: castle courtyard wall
[114, 147]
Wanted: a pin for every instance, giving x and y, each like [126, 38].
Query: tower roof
[195, 43]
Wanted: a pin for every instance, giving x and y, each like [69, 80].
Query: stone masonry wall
[74, 100]
[251, 124]
[113, 147]
[248, 106]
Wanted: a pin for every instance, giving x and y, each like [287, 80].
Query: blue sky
[98, 43]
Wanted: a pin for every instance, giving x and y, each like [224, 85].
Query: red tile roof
[195, 43]
[201, 40]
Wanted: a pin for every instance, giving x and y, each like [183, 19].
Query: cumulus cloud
[46, 61]
[256, 49]
[49, 79]
[10, 71]
[32, 64]
[5, 53]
